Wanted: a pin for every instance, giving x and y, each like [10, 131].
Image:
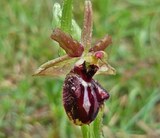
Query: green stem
[97, 124]
[85, 131]
[66, 20]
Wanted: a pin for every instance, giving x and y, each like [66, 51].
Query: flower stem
[97, 124]
[66, 20]
[85, 131]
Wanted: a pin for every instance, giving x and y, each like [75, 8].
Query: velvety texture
[82, 96]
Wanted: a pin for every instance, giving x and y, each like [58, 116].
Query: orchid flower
[82, 95]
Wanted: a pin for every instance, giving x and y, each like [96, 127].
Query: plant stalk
[66, 20]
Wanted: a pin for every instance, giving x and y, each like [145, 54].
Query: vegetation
[32, 107]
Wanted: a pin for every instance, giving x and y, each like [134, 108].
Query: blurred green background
[31, 107]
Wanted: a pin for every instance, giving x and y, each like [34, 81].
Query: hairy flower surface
[82, 95]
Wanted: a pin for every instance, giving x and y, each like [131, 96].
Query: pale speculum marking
[86, 101]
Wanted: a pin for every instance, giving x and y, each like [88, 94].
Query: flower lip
[82, 98]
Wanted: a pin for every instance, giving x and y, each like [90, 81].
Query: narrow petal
[102, 44]
[87, 25]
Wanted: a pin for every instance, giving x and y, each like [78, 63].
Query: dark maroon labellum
[82, 96]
